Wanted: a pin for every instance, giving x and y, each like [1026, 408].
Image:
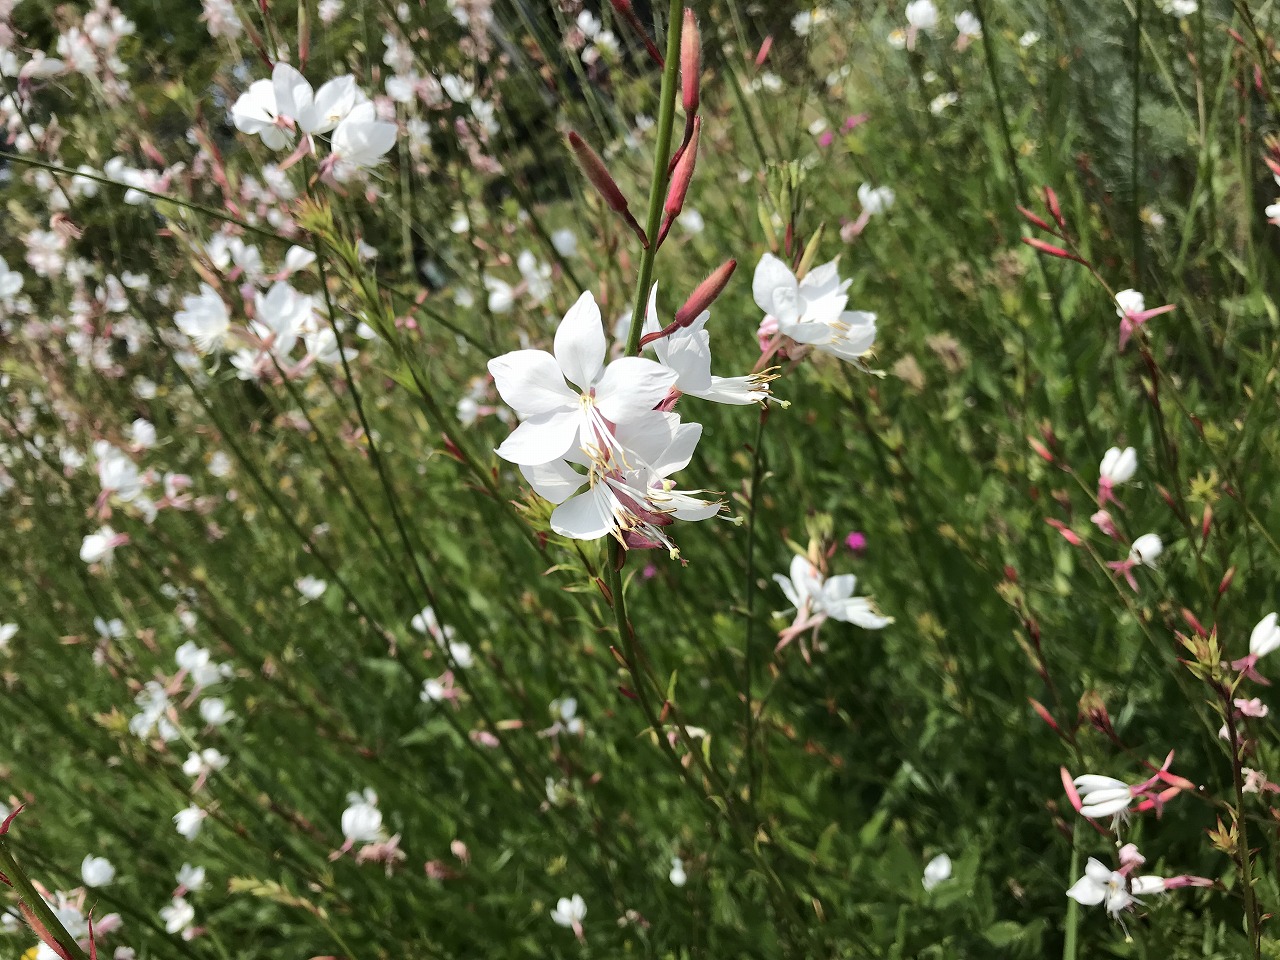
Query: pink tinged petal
[541, 439]
[1087, 892]
[555, 482]
[631, 387]
[588, 516]
[530, 383]
[775, 289]
[580, 344]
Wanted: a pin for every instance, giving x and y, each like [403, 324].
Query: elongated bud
[1051, 199]
[617, 655]
[593, 167]
[605, 591]
[1225, 584]
[683, 174]
[1206, 523]
[304, 33]
[1051, 250]
[1044, 714]
[1041, 450]
[1068, 784]
[766, 224]
[1194, 623]
[764, 51]
[1034, 219]
[628, 14]
[1068, 534]
[810, 251]
[705, 293]
[690, 63]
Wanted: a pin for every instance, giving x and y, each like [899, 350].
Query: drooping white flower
[96, 871]
[968, 26]
[1118, 466]
[311, 588]
[7, 632]
[214, 712]
[1146, 550]
[556, 418]
[191, 878]
[936, 870]
[100, 546]
[677, 876]
[922, 14]
[1102, 797]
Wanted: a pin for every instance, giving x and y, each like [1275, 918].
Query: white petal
[1086, 892]
[530, 382]
[580, 344]
[541, 439]
[787, 588]
[1092, 781]
[631, 387]
[680, 451]
[588, 516]
[775, 289]
[1147, 885]
[555, 481]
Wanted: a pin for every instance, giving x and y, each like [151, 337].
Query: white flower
[1029, 39]
[427, 622]
[96, 871]
[1118, 466]
[812, 310]
[967, 25]
[922, 14]
[178, 916]
[261, 109]
[555, 418]
[282, 315]
[1265, 636]
[8, 631]
[214, 712]
[189, 821]
[875, 200]
[937, 870]
[362, 820]
[1179, 8]
[1101, 884]
[199, 665]
[677, 876]
[360, 141]
[10, 282]
[191, 878]
[569, 911]
[565, 241]
[1102, 796]
[687, 353]
[311, 588]
[204, 319]
[816, 599]
[99, 547]
[207, 761]
[1146, 550]
[939, 104]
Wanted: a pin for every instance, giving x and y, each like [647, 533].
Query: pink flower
[856, 541]
[1133, 313]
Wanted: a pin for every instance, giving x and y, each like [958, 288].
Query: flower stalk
[34, 908]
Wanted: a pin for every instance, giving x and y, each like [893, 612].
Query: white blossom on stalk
[178, 917]
[677, 876]
[922, 14]
[100, 546]
[189, 821]
[1117, 467]
[311, 588]
[204, 319]
[817, 599]
[556, 418]
[7, 632]
[570, 912]
[687, 353]
[1102, 885]
[360, 142]
[200, 765]
[812, 311]
[629, 495]
[1265, 636]
[1145, 551]
[96, 871]
[214, 712]
[191, 879]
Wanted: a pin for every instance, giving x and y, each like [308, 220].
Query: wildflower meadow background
[545, 478]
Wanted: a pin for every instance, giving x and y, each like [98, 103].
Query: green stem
[1252, 920]
[1073, 908]
[666, 120]
[29, 896]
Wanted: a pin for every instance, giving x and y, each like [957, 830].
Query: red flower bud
[593, 167]
[705, 293]
[690, 63]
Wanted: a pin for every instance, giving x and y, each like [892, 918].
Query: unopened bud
[1225, 584]
[810, 251]
[628, 14]
[1034, 219]
[1051, 250]
[1194, 623]
[705, 293]
[593, 167]
[1044, 714]
[1051, 199]
[1206, 523]
[764, 51]
[690, 63]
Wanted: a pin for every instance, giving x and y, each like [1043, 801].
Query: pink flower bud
[593, 167]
